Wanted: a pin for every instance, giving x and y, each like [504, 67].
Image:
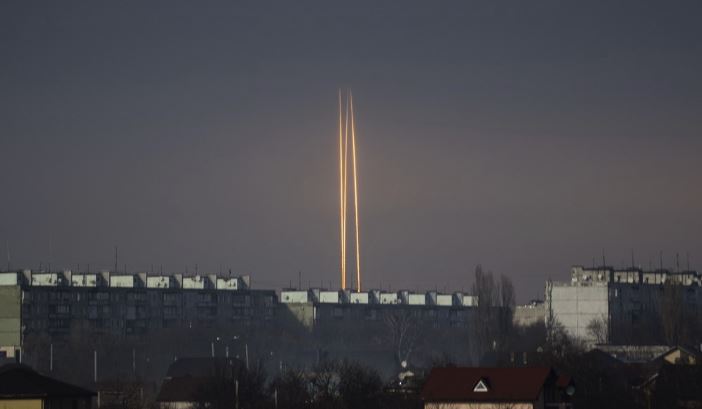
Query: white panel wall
[196, 282]
[444, 299]
[227, 283]
[293, 297]
[576, 306]
[8, 279]
[416, 299]
[123, 281]
[329, 297]
[358, 298]
[45, 279]
[84, 280]
[158, 282]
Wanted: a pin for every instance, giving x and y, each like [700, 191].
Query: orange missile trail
[342, 221]
[355, 196]
[346, 189]
[346, 119]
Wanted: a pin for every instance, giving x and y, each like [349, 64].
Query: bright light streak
[342, 221]
[346, 189]
[355, 195]
[346, 115]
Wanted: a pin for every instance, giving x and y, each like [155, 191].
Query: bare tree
[484, 290]
[506, 308]
[402, 330]
[598, 329]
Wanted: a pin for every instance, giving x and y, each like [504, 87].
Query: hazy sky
[524, 135]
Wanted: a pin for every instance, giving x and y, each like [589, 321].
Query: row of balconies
[583, 275]
[68, 278]
[321, 296]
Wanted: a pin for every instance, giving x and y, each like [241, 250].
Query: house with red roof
[497, 388]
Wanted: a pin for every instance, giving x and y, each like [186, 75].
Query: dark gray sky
[526, 136]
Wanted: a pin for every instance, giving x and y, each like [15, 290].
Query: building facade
[56, 303]
[606, 305]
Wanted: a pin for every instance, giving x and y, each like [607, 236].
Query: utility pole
[246, 351]
[236, 391]
[51, 357]
[50, 253]
[95, 366]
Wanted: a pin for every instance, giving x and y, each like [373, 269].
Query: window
[481, 386]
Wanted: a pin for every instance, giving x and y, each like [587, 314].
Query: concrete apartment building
[54, 303]
[315, 307]
[623, 301]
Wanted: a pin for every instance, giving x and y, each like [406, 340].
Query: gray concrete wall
[575, 306]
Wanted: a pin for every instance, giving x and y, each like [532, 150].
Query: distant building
[22, 387]
[529, 314]
[55, 303]
[319, 306]
[495, 388]
[605, 305]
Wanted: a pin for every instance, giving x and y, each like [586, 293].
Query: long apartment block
[58, 303]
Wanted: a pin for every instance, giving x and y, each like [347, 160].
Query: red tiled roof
[504, 384]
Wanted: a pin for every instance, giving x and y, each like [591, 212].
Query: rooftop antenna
[677, 262]
[687, 256]
[299, 280]
[50, 253]
[116, 259]
[604, 262]
[633, 262]
[660, 255]
[7, 247]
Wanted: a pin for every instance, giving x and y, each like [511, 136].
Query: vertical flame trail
[346, 119]
[346, 188]
[342, 220]
[355, 195]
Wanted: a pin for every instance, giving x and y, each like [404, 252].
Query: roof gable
[481, 386]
